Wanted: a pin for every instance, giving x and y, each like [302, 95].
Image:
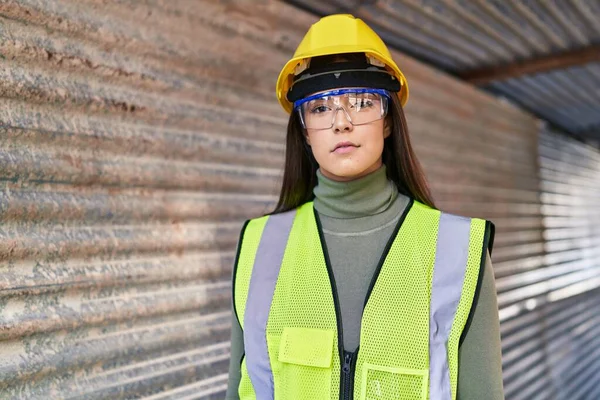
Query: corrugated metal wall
[133, 142]
[550, 304]
[567, 303]
[136, 136]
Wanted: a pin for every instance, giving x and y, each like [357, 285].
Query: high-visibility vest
[416, 309]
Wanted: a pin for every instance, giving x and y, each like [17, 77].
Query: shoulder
[434, 212]
[478, 227]
[255, 226]
[251, 235]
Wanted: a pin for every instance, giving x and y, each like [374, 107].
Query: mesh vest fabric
[402, 294]
[303, 300]
[302, 328]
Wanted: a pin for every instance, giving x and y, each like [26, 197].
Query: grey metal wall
[136, 136]
[133, 142]
[567, 303]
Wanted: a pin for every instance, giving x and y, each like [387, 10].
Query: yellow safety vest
[416, 309]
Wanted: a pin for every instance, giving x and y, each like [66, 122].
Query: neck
[369, 195]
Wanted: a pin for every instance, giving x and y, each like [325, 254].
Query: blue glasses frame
[337, 92]
[298, 104]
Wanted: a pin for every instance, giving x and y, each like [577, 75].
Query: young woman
[356, 287]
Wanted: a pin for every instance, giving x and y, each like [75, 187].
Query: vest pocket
[306, 363]
[387, 383]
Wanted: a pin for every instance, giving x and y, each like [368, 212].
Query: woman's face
[346, 152]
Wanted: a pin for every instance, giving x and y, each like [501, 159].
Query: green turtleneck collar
[369, 195]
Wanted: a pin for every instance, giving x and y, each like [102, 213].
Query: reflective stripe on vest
[447, 282]
[449, 267]
[260, 294]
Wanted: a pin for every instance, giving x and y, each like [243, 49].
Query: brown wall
[135, 138]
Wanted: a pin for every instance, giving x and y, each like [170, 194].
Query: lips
[343, 145]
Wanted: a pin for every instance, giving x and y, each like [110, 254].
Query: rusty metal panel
[132, 147]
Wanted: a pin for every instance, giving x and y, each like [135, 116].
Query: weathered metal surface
[463, 35]
[549, 304]
[133, 144]
[569, 97]
[135, 137]
[570, 173]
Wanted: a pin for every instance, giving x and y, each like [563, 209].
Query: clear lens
[360, 109]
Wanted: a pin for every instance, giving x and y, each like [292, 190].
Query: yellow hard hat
[338, 34]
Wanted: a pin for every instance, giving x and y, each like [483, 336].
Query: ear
[387, 128]
[307, 139]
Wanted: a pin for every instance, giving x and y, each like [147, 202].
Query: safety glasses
[361, 106]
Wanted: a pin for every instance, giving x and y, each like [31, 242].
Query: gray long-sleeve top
[357, 218]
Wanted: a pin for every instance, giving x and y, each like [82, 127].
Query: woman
[356, 287]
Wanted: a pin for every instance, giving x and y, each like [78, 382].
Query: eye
[362, 102]
[366, 103]
[319, 109]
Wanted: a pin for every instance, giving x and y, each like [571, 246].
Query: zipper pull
[347, 361]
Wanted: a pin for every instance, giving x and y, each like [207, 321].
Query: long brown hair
[402, 166]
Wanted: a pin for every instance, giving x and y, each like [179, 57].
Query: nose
[341, 122]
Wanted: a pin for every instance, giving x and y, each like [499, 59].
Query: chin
[349, 173]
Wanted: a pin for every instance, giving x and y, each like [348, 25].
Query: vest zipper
[347, 382]
[346, 375]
